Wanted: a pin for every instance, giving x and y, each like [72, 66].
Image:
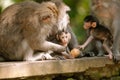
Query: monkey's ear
[69, 35]
[57, 37]
[94, 24]
[46, 19]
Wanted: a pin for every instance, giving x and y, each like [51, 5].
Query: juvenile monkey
[63, 38]
[24, 28]
[97, 32]
[108, 13]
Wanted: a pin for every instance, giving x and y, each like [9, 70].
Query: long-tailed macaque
[24, 27]
[108, 13]
[64, 23]
[63, 38]
[97, 32]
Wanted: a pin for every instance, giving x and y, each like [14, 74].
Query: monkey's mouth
[64, 43]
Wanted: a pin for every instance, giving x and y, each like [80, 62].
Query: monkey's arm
[90, 38]
[107, 49]
[46, 45]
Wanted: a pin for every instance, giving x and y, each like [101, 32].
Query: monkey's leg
[116, 40]
[43, 56]
[110, 54]
[99, 48]
[116, 44]
[28, 52]
[25, 51]
[39, 56]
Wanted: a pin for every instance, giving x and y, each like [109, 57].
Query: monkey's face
[48, 13]
[64, 38]
[87, 25]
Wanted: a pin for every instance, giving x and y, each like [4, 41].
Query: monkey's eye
[62, 37]
[46, 18]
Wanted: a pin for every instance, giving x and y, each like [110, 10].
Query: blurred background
[79, 9]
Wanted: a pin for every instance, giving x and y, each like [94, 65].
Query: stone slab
[46, 67]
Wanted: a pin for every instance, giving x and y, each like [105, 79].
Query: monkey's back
[102, 33]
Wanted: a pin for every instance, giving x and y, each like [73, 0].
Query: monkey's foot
[58, 57]
[47, 56]
[116, 58]
[110, 56]
[100, 54]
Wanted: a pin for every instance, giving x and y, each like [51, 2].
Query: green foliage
[0, 9]
[18, 0]
[79, 9]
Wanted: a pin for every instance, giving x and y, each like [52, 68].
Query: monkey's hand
[66, 55]
[81, 47]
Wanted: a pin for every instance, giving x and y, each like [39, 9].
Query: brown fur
[108, 12]
[24, 27]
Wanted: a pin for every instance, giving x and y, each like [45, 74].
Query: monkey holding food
[63, 38]
[97, 32]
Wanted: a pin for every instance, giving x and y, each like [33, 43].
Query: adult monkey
[108, 12]
[63, 23]
[23, 29]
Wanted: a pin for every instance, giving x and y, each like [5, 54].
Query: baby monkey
[97, 32]
[63, 38]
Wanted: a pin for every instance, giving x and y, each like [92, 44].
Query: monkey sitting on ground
[63, 38]
[97, 32]
[64, 23]
[24, 28]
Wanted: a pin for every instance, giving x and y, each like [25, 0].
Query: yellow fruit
[75, 52]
